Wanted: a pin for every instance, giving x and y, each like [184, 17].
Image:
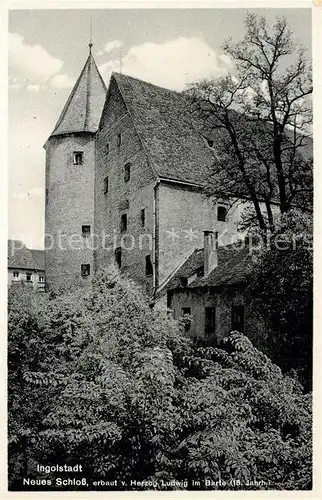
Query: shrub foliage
[98, 378]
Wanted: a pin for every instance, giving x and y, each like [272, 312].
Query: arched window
[78, 157]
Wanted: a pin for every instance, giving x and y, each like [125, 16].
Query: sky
[48, 49]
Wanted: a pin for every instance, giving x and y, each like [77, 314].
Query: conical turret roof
[83, 109]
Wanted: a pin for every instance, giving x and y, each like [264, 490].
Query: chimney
[210, 251]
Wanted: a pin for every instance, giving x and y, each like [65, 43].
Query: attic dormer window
[210, 142]
[78, 157]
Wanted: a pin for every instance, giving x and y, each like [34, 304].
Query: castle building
[124, 173]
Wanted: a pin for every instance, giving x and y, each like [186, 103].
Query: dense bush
[97, 378]
[282, 295]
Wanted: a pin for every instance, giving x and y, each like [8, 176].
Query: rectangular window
[186, 311]
[86, 231]
[85, 270]
[41, 279]
[15, 275]
[106, 185]
[28, 276]
[237, 318]
[142, 217]
[221, 214]
[119, 140]
[127, 172]
[118, 256]
[210, 319]
[78, 157]
[123, 222]
[148, 266]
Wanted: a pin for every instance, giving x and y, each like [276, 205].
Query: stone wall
[118, 144]
[223, 300]
[69, 205]
[183, 214]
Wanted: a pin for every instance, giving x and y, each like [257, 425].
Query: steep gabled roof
[234, 266]
[21, 257]
[174, 137]
[176, 148]
[83, 109]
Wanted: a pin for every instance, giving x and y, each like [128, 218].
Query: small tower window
[118, 256]
[78, 158]
[148, 266]
[106, 185]
[127, 172]
[142, 217]
[119, 140]
[15, 275]
[221, 214]
[86, 231]
[85, 270]
[123, 222]
[28, 277]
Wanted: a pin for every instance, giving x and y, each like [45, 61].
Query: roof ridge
[71, 95]
[88, 91]
[122, 75]
[99, 73]
[135, 126]
[83, 107]
[176, 270]
[167, 130]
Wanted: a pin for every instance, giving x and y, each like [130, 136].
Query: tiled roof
[234, 266]
[173, 135]
[83, 109]
[21, 257]
[39, 259]
[175, 147]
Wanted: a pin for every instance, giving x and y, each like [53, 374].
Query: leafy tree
[260, 116]
[282, 291]
[99, 379]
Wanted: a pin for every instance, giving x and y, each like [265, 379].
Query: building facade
[125, 169]
[210, 291]
[25, 266]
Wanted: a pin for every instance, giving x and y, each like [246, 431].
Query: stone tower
[70, 162]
